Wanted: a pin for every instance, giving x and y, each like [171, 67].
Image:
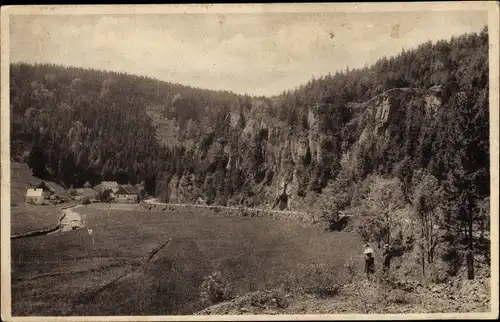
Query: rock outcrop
[282, 164]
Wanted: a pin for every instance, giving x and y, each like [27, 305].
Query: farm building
[34, 196]
[47, 189]
[112, 185]
[126, 194]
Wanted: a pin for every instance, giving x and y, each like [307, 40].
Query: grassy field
[26, 218]
[67, 274]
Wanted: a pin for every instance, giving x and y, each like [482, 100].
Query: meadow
[26, 218]
[153, 263]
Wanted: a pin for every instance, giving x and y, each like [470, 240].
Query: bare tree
[426, 201]
[383, 200]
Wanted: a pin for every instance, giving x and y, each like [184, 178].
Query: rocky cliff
[278, 164]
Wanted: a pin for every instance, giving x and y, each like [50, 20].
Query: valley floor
[139, 262]
[146, 258]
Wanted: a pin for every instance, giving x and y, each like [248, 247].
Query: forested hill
[424, 109]
[87, 125]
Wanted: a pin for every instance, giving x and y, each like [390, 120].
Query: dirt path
[70, 220]
[155, 202]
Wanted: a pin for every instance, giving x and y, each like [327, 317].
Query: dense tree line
[86, 125]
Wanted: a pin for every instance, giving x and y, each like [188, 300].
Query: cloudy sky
[260, 54]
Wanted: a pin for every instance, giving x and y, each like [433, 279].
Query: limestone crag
[282, 163]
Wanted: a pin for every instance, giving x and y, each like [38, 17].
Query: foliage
[215, 289]
[317, 279]
[350, 272]
[269, 299]
[85, 200]
[428, 196]
[380, 203]
[334, 199]
[72, 192]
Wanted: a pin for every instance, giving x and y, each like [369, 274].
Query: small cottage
[34, 196]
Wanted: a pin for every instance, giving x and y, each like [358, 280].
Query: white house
[34, 195]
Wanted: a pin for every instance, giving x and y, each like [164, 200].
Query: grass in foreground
[26, 218]
[67, 274]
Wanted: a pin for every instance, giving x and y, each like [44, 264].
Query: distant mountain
[426, 108]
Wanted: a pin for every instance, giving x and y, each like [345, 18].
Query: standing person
[369, 262]
[387, 259]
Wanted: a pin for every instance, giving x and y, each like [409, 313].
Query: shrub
[320, 280]
[85, 200]
[397, 296]
[438, 273]
[349, 271]
[269, 299]
[215, 289]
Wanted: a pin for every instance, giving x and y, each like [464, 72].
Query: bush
[320, 280]
[85, 200]
[269, 299]
[215, 289]
[397, 297]
[437, 273]
[349, 271]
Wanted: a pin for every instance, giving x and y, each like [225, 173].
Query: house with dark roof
[112, 185]
[126, 194]
[47, 189]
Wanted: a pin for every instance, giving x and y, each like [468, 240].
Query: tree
[36, 161]
[427, 198]
[334, 199]
[382, 201]
[468, 175]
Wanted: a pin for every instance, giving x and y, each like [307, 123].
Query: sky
[257, 53]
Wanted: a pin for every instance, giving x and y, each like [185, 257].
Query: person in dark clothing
[387, 254]
[369, 261]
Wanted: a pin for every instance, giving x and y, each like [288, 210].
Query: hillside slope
[365, 298]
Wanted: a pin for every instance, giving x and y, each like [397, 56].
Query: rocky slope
[365, 297]
[289, 158]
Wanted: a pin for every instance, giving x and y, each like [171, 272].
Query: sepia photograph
[270, 161]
